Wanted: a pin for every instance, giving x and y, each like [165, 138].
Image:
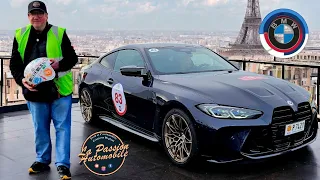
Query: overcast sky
[213, 15]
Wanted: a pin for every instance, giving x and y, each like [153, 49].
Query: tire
[189, 145]
[86, 105]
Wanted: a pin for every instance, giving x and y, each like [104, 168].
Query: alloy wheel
[86, 105]
[178, 138]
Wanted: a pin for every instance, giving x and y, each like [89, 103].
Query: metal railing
[11, 93]
[83, 60]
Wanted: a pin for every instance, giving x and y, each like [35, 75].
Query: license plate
[294, 128]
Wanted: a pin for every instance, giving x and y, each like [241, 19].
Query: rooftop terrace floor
[145, 161]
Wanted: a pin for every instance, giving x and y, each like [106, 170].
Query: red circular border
[266, 36]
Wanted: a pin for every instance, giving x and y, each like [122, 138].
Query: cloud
[214, 2]
[157, 14]
[18, 3]
[146, 7]
[107, 10]
[74, 11]
[115, 1]
[82, 1]
[64, 2]
[116, 8]
[199, 3]
[186, 2]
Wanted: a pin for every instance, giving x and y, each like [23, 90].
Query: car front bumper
[234, 143]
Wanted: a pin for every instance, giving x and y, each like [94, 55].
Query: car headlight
[227, 112]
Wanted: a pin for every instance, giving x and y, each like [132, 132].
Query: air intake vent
[283, 116]
[271, 139]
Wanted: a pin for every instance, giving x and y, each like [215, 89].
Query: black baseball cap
[37, 5]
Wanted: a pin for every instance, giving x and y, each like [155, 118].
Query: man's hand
[25, 83]
[54, 64]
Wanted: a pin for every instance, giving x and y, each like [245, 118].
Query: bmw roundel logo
[283, 33]
[290, 103]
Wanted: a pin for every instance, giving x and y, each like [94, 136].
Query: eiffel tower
[248, 40]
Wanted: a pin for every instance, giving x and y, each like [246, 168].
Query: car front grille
[271, 139]
[283, 116]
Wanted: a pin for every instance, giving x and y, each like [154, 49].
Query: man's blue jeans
[60, 113]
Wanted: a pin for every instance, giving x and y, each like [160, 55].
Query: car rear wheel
[179, 137]
[86, 105]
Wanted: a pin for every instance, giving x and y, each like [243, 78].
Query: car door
[132, 100]
[103, 87]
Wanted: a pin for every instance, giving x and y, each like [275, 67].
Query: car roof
[158, 45]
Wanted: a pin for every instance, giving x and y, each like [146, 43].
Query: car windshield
[180, 60]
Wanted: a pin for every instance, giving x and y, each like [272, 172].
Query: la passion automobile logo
[103, 153]
[283, 33]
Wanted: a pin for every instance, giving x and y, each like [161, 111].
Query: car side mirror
[133, 71]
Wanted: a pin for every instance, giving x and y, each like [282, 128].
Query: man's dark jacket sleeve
[16, 64]
[70, 57]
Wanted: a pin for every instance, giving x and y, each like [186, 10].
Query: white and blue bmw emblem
[283, 33]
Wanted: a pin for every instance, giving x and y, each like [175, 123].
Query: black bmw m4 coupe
[196, 104]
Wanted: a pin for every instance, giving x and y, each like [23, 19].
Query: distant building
[307, 56]
[11, 92]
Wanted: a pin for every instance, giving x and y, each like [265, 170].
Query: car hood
[240, 89]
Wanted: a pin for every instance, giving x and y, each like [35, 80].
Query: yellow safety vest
[53, 47]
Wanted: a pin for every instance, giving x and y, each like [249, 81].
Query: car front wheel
[179, 137]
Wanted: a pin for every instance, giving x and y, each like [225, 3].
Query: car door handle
[110, 81]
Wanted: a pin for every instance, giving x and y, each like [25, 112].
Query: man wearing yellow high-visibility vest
[49, 100]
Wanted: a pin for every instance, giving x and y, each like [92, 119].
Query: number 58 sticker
[119, 99]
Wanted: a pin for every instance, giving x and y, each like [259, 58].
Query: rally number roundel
[283, 33]
[119, 99]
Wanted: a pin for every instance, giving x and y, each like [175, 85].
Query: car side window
[128, 58]
[108, 61]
